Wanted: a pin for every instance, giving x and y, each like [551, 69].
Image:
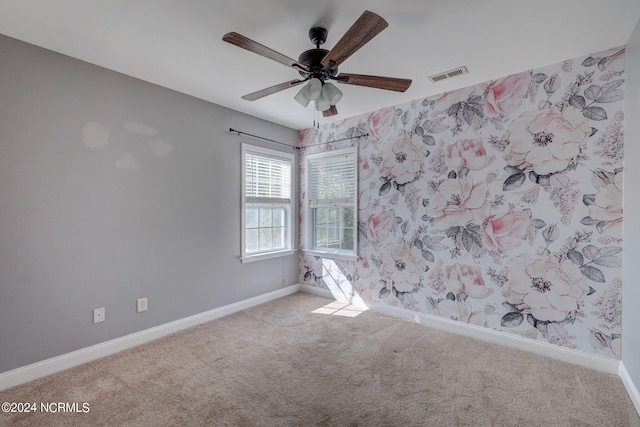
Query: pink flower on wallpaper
[380, 122]
[608, 207]
[364, 202]
[446, 100]
[468, 153]
[545, 140]
[404, 265]
[506, 231]
[306, 136]
[467, 279]
[458, 202]
[380, 225]
[364, 168]
[549, 289]
[506, 95]
[402, 159]
[460, 311]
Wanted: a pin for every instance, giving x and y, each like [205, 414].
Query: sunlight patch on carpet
[337, 308]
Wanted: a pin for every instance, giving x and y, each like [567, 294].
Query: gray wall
[112, 189]
[631, 289]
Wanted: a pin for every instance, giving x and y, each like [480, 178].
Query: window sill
[268, 255]
[331, 254]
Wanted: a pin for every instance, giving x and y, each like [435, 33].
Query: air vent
[451, 73]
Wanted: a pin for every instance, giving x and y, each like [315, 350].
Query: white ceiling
[178, 43]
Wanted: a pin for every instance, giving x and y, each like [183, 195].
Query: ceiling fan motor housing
[312, 58]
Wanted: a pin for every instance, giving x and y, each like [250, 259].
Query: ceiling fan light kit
[317, 66]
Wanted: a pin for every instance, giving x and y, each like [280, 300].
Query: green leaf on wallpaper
[428, 256]
[514, 181]
[575, 257]
[539, 77]
[469, 239]
[592, 273]
[418, 244]
[589, 62]
[592, 92]
[609, 261]
[453, 231]
[612, 96]
[419, 130]
[453, 110]
[438, 128]
[475, 99]
[452, 175]
[589, 199]
[588, 221]
[477, 109]
[384, 292]
[429, 140]
[512, 320]
[594, 113]
[610, 250]
[578, 101]
[386, 187]
[590, 252]
[611, 86]
[468, 114]
[405, 117]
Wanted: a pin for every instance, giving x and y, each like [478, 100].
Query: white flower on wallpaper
[545, 141]
[402, 159]
[457, 202]
[498, 204]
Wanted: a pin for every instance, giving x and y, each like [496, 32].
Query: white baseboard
[60, 363]
[632, 390]
[593, 361]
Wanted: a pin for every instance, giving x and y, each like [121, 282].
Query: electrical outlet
[98, 315]
[141, 304]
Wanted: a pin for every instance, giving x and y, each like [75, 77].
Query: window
[267, 204]
[332, 203]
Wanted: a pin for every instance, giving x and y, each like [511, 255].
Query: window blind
[332, 179]
[267, 179]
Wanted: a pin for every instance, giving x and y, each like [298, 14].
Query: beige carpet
[282, 364]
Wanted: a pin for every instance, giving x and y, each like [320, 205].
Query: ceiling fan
[318, 66]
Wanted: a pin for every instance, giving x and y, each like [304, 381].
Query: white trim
[65, 361]
[266, 255]
[593, 361]
[310, 204]
[632, 390]
[330, 255]
[287, 204]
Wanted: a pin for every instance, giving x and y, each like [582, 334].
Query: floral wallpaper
[498, 204]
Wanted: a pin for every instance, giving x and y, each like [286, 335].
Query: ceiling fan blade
[387, 83]
[364, 29]
[332, 111]
[271, 90]
[255, 47]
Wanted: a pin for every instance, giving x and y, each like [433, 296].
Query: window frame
[310, 225]
[289, 207]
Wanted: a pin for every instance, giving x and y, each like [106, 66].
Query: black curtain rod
[261, 137]
[291, 146]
